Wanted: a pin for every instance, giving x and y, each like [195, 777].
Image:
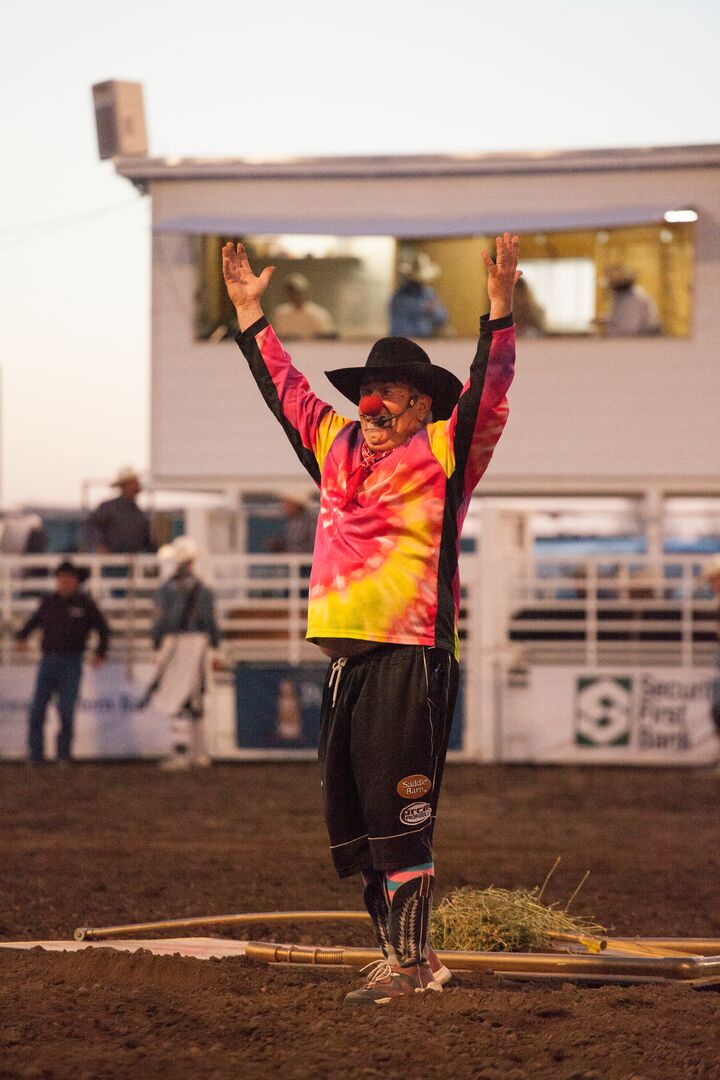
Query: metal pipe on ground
[627, 946]
[689, 969]
[642, 946]
[250, 918]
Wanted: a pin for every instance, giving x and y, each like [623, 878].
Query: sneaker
[175, 763]
[386, 982]
[440, 973]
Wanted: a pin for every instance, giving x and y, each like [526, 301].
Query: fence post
[294, 610]
[591, 613]
[687, 614]
[487, 626]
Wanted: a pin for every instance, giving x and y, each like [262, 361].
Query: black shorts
[384, 730]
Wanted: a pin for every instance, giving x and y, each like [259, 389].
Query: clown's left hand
[502, 274]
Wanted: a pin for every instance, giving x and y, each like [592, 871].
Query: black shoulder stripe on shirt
[467, 416]
[447, 566]
[469, 403]
[251, 351]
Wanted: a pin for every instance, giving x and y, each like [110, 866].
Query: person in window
[529, 316]
[395, 484]
[66, 618]
[416, 310]
[633, 313]
[299, 318]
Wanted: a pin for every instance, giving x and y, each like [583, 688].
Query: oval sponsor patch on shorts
[414, 787]
[416, 813]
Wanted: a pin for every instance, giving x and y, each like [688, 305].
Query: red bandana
[358, 476]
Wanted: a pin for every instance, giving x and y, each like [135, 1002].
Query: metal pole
[87, 933]
[704, 970]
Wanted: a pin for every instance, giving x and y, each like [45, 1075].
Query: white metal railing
[588, 610]
[609, 609]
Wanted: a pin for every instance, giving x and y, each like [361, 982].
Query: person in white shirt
[299, 319]
[633, 312]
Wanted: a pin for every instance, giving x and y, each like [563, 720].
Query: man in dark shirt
[119, 526]
[66, 619]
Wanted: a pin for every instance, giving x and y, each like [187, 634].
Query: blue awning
[468, 223]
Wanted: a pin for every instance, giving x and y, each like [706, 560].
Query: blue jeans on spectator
[59, 674]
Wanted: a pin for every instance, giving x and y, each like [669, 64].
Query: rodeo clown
[384, 591]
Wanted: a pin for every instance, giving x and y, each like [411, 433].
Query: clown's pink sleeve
[477, 422]
[309, 423]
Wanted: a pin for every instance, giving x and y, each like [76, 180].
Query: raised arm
[244, 288]
[309, 423]
[471, 434]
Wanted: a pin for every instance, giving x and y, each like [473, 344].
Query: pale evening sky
[275, 78]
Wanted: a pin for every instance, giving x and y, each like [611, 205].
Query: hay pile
[500, 920]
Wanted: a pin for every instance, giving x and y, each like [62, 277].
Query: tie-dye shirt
[385, 564]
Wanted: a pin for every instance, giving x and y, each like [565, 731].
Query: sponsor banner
[653, 716]
[108, 723]
[278, 708]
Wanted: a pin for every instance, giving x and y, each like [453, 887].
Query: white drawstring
[335, 676]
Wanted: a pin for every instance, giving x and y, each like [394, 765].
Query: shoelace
[335, 677]
[378, 971]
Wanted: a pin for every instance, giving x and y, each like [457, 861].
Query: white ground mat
[201, 948]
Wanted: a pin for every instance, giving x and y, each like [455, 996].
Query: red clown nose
[371, 405]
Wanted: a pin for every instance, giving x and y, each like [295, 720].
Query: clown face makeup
[390, 412]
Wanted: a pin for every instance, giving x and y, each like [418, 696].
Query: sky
[271, 79]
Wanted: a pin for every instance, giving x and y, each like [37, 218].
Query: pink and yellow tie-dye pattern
[385, 559]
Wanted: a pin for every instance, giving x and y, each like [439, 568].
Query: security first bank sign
[643, 716]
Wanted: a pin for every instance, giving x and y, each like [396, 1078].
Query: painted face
[390, 412]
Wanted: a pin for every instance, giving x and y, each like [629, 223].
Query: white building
[595, 657]
[589, 414]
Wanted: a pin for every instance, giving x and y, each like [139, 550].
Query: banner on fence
[653, 716]
[278, 707]
[108, 722]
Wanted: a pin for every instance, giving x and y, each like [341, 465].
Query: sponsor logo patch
[414, 787]
[416, 813]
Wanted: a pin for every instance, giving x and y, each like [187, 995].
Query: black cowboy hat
[404, 360]
[68, 567]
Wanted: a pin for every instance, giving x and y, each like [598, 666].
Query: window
[621, 282]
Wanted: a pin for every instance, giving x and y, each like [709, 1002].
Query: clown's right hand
[244, 288]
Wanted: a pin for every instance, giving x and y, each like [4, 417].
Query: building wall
[618, 411]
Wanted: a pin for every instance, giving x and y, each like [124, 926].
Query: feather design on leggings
[407, 928]
[410, 919]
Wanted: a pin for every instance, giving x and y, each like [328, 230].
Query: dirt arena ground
[119, 843]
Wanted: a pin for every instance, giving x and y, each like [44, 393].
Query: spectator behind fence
[184, 627]
[415, 308]
[633, 313]
[118, 526]
[712, 576]
[299, 526]
[528, 314]
[300, 319]
[66, 618]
